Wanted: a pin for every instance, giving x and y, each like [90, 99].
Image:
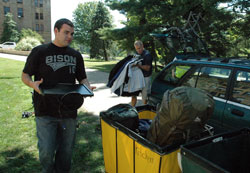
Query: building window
[36, 3]
[41, 3]
[19, 12]
[41, 27]
[41, 16]
[20, 1]
[37, 27]
[6, 10]
[37, 16]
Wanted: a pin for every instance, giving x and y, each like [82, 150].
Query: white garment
[136, 80]
[133, 84]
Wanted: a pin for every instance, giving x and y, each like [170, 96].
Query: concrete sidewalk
[102, 99]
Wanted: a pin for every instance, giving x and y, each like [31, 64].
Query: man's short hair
[138, 43]
[60, 22]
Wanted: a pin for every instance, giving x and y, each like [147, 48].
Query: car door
[169, 78]
[9, 45]
[6, 45]
[237, 110]
[214, 80]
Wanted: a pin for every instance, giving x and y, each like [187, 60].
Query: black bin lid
[62, 89]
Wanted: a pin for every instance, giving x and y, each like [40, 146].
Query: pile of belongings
[126, 79]
[182, 115]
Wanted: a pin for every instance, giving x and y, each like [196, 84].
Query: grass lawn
[105, 66]
[18, 142]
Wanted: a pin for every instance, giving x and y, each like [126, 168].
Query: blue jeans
[56, 139]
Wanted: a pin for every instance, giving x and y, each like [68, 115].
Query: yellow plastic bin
[125, 151]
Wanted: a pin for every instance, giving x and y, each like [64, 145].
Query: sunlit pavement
[103, 99]
[14, 57]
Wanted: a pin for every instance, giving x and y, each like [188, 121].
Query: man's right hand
[36, 85]
[26, 78]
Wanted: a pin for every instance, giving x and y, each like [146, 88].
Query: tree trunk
[154, 55]
[105, 52]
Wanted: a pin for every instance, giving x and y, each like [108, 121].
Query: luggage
[125, 114]
[181, 116]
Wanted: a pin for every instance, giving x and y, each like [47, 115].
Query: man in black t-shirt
[51, 64]
[146, 68]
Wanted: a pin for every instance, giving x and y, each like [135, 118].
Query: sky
[64, 9]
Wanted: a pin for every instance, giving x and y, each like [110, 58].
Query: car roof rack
[197, 57]
[240, 61]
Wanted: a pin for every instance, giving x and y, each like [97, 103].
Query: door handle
[237, 112]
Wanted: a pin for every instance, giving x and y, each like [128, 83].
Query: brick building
[32, 14]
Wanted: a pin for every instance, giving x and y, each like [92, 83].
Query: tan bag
[182, 115]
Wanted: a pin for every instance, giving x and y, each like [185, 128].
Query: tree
[102, 19]
[239, 34]
[10, 32]
[82, 23]
[143, 18]
[157, 16]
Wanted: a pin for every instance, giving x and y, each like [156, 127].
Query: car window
[211, 79]
[174, 73]
[241, 91]
[191, 79]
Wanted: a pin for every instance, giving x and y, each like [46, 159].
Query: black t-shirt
[55, 65]
[147, 60]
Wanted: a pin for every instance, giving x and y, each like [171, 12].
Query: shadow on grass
[16, 160]
[107, 68]
[10, 77]
[88, 155]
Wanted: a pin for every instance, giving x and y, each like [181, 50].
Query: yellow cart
[125, 151]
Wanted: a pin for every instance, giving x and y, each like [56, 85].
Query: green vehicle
[228, 80]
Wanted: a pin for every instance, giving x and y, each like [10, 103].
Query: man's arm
[86, 82]
[144, 67]
[147, 62]
[27, 80]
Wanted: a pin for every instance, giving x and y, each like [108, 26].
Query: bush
[29, 33]
[28, 43]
